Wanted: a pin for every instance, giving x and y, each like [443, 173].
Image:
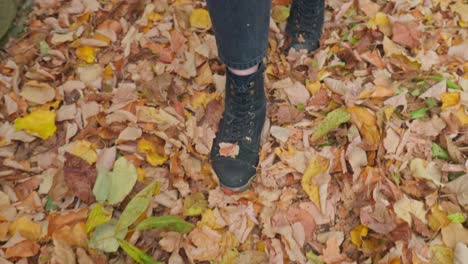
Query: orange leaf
[23, 249]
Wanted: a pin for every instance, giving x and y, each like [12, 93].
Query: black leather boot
[241, 124]
[305, 24]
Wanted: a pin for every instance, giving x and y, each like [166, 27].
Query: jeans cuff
[243, 65]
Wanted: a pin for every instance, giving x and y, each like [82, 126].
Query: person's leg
[241, 29]
[305, 24]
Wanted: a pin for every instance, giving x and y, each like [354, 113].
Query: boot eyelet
[251, 85]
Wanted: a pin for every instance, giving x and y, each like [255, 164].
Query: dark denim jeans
[241, 29]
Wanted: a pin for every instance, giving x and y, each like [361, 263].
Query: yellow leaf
[39, 122]
[155, 17]
[381, 19]
[389, 111]
[108, 72]
[366, 122]
[313, 87]
[461, 115]
[195, 204]
[280, 13]
[27, 228]
[86, 53]
[317, 165]
[358, 233]
[202, 99]
[83, 149]
[210, 219]
[437, 218]
[449, 99]
[199, 18]
[441, 254]
[97, 216]
[152, 156]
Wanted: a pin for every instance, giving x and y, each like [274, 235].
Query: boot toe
[232, 173]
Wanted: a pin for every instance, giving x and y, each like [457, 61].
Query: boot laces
[241, 123]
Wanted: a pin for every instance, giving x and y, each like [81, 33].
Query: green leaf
[439, 152]
[116, 185]
[454, 175]
[332, 121]
[456, 218]
[420, 113]
[450, 83]
[97, 217]
[50, 206]
[313, 258]
[44, 48]
[136, 254]
[415, 92]
[353, 40]
[300, 107]
[166, 222]
[7, 15]
[105, 237]
[101, 186]
[136, 207]
[431, 102]
[195, 204]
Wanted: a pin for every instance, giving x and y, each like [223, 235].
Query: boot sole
[231, 191]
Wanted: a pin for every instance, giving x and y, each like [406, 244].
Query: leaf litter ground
[108, 111]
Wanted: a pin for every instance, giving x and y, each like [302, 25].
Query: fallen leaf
[86, 53]
[83, 149]
[97, 217]
[116, 185]
[39, 122]
[105, 237]
[449, 99]
[36, 92]
[426, 170]
[136, 207]
[317, 165]
[23, 249]
[199, 18]
[166, 222]
[27, 228]
[405, 207]
[152, 156]
[195, 204]
[366, 122]
[332, 121]
[136, 254]
[79, 177]
[279, 13]
[228, 149]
